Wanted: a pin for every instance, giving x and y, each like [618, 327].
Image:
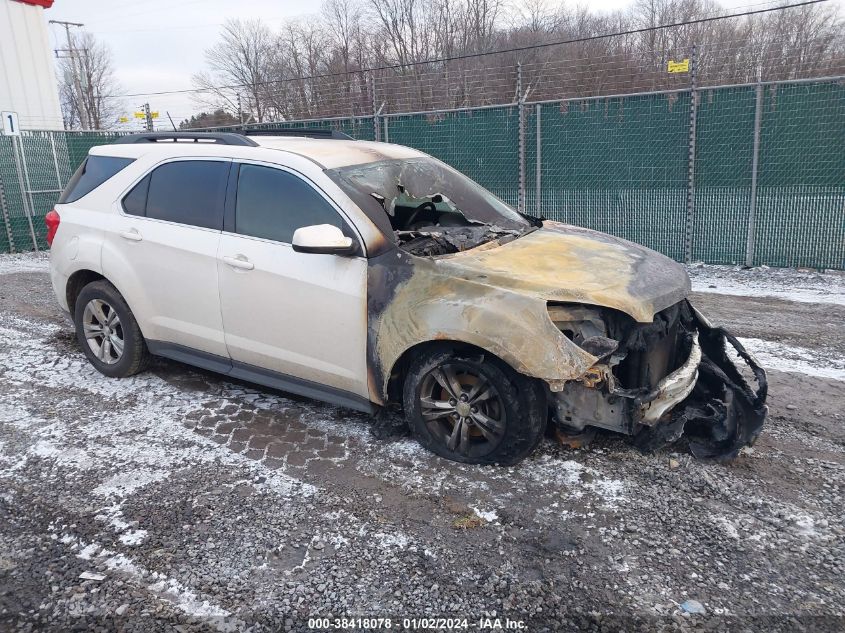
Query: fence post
[691, 161]
[4, 210]
[55, 160]
[376, 127]
[752, 206]
[538, 168]
[386, 134]
[27, 208]
[520, 199]
[693, 117]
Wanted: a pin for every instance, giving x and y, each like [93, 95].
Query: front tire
[473, 408]
[108, 332]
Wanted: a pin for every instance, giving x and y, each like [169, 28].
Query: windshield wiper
[536, 221]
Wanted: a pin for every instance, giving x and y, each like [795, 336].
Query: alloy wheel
[462, 409]
[103, 331]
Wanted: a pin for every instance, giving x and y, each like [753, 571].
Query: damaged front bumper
[706, 399]
[672, 390]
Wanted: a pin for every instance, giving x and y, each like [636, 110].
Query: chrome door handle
[132, 235]
[238, 262]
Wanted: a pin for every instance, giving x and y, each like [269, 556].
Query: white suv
[365, 274]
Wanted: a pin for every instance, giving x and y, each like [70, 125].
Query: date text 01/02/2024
[502, 624]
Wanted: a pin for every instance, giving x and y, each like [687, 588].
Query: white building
[28, 82]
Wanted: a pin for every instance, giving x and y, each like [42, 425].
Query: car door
[301, 315]
[162, 245]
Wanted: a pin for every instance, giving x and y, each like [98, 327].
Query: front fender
[428, 305]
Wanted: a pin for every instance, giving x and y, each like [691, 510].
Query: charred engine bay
[431, 241]
[433, 224]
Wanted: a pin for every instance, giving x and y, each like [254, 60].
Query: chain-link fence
[34, 168]
[738, 174]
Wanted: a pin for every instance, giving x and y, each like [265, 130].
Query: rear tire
[473, 408]
[108, 332]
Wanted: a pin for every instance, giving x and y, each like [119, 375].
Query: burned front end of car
[660, 381]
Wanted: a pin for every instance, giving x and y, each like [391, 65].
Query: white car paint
[293, 312]
[298, 314]
[167, 272]
[251, 300]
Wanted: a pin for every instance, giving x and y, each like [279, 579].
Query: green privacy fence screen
[34, 168]
[766, 184]
[616, 165]
[481, 142]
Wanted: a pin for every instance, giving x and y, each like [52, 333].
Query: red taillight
[52, 220]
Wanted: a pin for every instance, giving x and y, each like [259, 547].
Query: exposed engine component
[661, 381]
[433, 241]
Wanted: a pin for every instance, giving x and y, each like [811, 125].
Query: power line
[171, 5]
[159, 29]
[517, 49]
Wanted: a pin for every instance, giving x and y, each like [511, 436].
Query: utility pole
[148, 117]
[72, 54]
[240, 111]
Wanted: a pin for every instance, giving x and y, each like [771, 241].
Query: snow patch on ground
[574, 476]
[187, 600]
[69, 457]
[391, 541]
[125, 483]
[25, 263]
[163, 587]
[488, 515]
[145, 435]
[804, 524]
[799, 360]
[87, 552]
[133, 537]
[779, 283]
[727, 527]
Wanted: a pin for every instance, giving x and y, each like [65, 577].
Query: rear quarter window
[93, 172]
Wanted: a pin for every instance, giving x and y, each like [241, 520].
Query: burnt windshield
[430, 208]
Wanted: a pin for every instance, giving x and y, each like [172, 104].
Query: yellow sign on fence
[679, 67]
[140, 115]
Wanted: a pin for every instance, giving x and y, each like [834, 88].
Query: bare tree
[317, 67]
[240, 65]
[536, 17]
[87, 86]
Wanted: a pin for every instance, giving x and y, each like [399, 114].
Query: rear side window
[189, 192]
[93, 172]
[135, 202]
[272, 204]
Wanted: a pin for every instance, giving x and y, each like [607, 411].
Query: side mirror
[322, 238]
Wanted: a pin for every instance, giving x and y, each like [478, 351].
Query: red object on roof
[39, 3]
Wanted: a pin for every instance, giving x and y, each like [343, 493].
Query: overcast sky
[159, 44]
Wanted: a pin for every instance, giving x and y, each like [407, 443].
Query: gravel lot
[193, 503]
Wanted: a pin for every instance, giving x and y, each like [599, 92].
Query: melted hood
[566, 263]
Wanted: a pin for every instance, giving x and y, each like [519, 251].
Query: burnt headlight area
[660, 381]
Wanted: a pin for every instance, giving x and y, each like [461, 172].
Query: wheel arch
[76, 282]
[399, 370]
[81, 278]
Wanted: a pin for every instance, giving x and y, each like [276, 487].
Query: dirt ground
[194, 503]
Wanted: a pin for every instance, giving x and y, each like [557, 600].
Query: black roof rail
[219, 138]
[309, 132]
